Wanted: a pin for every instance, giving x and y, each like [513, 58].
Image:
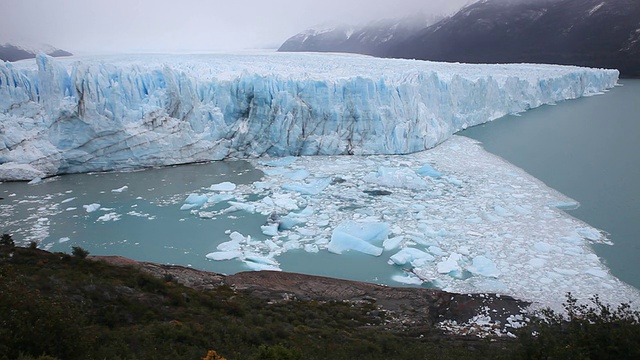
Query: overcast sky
[89, 26]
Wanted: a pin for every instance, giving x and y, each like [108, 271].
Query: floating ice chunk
[243, 207]
[275, 171]
[392, 243]
[63, 240]
[236, 236]
[261, 267]
[91, 207]
[270, 230]
[502, 211]
[454, 181]
[314, 187]
[544, 247]
[341, 242]
[590, 233]
[521, 210]
[597, 272]
[565, 205]
[297, 175]
[35, 181]
[481, 265]
[231, 245]
[569, 272]
[435, 250]
[255, 258]
[396, 177]
[408, 255]
[450, 264]
[119, 190]
[284, 161]
[285, 201]
[271, 245]
[407, 279]
[223, 186]
[224, 255]
[292, 245]
[427, 170]
[262, 184]
[220, 198]
[109, 217]
[188, 206]
[292, 219]
[537, 263]
[351, 235]
[311, 248]
[195, 199]
[67, 200]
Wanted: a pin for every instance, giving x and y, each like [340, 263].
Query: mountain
[10, 52]
[595, 33]
[373, 38]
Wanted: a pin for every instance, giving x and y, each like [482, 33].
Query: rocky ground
[464, 314]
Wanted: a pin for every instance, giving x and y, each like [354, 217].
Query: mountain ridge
[13, 52]
[593, 33]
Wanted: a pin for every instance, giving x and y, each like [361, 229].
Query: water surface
[589, 150]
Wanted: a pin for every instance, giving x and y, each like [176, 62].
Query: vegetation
[595, 331]
[58, 306]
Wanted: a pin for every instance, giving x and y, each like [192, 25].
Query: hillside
[10, 52]
[594, 33]
[61, 306]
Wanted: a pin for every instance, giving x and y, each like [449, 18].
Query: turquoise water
[589, 150]
[150, 225]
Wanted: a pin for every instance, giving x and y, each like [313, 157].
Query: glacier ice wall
[95, 114]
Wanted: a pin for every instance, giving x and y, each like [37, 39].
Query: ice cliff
[94, 114]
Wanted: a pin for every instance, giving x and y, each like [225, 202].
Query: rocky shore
[462, 314]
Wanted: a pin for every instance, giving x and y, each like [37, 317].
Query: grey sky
[84, 26]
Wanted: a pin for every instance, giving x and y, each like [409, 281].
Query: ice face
[87, 114]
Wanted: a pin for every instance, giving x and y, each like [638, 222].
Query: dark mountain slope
[374, 38]
[9, 52]
[595, 33]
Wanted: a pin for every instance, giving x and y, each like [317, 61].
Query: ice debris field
[120, 112]
[454, 217]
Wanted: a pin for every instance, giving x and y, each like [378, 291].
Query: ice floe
[454, 217]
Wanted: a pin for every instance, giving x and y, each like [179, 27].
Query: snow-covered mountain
[373, 38]
[11, 52]
[596, 33]
[70, 115]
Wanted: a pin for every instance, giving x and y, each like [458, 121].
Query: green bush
[7, 241]
[77, 251]
[587, 331]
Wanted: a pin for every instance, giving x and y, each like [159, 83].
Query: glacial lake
[589, 150]
[585, 149]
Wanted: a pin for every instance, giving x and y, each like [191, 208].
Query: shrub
[7, 241]
[587, 331]
[77, 251]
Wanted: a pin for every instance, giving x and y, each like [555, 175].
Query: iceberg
[123, 112]
[351, 235]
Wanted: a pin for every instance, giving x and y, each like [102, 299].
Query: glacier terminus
[119, 112]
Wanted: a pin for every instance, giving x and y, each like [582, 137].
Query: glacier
[85, 114]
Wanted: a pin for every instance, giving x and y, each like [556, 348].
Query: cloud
[188, 25]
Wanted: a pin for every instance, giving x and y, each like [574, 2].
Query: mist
[107, 26]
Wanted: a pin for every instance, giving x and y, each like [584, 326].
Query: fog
[104, 26]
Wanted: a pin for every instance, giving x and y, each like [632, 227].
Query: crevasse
[96, 114]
